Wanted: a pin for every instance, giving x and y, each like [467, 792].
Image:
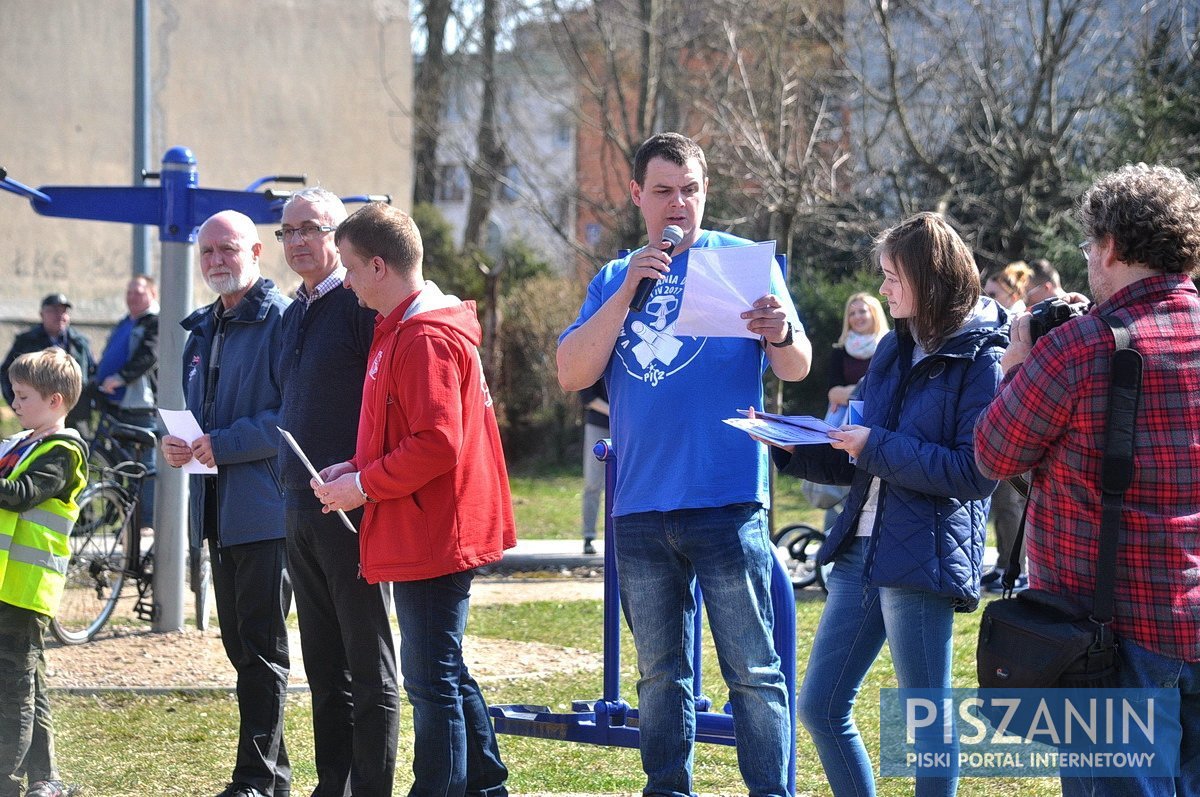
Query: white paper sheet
[291, 441]
[181, 423]
[785, 430]
[722, 283]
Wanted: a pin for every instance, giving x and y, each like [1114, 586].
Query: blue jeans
[1143, 669]
[856, 621]
[454, 747]
[726, 549]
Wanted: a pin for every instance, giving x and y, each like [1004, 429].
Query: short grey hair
[322, 198]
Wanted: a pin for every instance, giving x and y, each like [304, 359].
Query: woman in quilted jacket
[906, 551]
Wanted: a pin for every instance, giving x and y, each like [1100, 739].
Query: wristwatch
[788, 339]
[358, 483]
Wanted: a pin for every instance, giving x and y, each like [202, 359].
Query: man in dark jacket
[232, 387]
[55, 330]
[345, 633]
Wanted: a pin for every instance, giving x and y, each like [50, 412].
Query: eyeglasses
[308, 232]
[1086, 248]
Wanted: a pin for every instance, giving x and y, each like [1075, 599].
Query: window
[508, 190]
[562, 133]
[452, 183]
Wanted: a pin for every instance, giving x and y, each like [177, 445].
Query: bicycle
[797, 544]
[106, 542]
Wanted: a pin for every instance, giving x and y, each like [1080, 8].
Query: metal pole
[170, 511]
[141, 125]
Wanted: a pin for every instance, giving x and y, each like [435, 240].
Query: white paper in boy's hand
[182, 424]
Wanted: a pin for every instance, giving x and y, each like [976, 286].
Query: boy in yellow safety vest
[42, 472]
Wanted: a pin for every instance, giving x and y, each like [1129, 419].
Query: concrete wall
[320, 87]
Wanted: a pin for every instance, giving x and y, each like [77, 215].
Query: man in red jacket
[430, 470]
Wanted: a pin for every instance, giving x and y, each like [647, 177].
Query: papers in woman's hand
[784, 430]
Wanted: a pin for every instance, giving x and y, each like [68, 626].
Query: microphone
[671, 235]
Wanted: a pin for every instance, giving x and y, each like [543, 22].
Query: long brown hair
[940, 271]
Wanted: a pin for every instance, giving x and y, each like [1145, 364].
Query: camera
[1050, 313]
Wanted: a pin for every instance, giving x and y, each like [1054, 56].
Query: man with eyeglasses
[231, 385]
[1049, 416]
[345, 634]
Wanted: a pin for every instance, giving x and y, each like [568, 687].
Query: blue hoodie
[933, 501]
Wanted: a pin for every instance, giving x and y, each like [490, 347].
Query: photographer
[1143, 242]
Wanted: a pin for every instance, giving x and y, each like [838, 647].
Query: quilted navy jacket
[933, 501]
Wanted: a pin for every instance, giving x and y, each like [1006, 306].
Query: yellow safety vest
[35, 544]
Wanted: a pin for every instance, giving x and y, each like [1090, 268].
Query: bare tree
[489, 151]
[985, 111]
[428, 100]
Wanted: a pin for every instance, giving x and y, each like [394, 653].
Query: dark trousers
[454, 743]
[26, 732]
[346, 639]
[1007, 506]
[253, 596]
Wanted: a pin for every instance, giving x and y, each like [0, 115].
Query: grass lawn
[547, 504]
[122, 744]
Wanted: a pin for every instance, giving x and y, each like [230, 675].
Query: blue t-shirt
[668, 396]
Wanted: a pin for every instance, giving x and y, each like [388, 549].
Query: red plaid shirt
[1050, 417]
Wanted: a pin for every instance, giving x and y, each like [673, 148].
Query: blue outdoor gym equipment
[610, 720]
[176, 206]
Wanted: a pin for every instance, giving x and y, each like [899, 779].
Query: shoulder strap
[1116, 470]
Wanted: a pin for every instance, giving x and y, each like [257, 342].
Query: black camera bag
[1040, 639]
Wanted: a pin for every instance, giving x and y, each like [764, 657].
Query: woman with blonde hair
[1007, 286]
[863, 326]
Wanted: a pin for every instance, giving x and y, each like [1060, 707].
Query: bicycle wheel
[797, 545]
[96, 571]
[200, 574]
[101, 461]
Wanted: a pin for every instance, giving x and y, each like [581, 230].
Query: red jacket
[428, 448]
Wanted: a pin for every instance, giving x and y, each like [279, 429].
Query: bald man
[231, 385]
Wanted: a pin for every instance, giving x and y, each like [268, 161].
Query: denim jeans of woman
[454, 745]
[726, 549]
[857, 620]
[1144, 669]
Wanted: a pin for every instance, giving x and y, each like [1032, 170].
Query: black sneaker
[240, 790]
[51, 788]
[991, 576]
[589, 547]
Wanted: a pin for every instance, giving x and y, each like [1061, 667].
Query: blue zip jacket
[245, 439]
[933, 501]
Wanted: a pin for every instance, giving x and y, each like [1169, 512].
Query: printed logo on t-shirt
[373, 371]
[487, 393]
[647, 346]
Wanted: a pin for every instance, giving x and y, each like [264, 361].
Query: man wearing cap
[55, 330]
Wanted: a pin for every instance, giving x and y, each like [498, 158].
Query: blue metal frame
[610, 720]
[176, 206]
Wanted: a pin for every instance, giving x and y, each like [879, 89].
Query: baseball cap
[56, 299]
